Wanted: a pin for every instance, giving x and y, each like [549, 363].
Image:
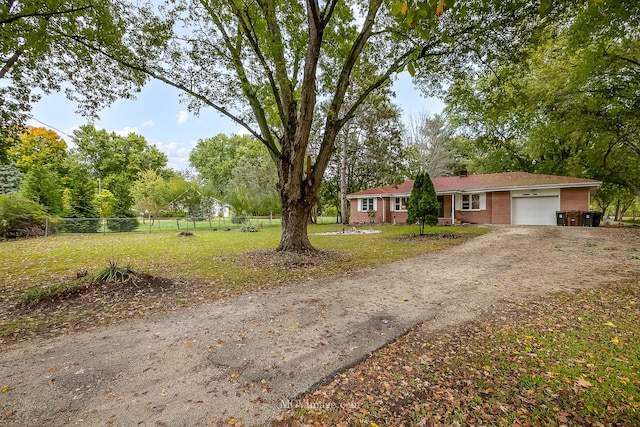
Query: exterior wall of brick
[498, 210]
[500, 207]
[474, 217]
[574, 199]
[383, 212]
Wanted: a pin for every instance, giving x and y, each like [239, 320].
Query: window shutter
[483, 201]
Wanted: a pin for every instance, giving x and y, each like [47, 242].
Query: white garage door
[534, 210]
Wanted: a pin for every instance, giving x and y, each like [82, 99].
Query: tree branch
[247, 87]
[177, 85]
[43, 14]
[10, 62]
[333, 123]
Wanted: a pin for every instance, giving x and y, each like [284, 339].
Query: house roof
[487, 182]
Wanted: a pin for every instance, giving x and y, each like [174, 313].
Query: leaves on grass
[98, 303]
[524, 365]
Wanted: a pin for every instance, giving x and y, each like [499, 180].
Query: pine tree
[423, 203]
[81, 206]
[10, 178]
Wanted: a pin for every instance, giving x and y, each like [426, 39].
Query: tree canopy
[50, 46]
[566, 105]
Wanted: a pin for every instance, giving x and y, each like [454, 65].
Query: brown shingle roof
[485, 182]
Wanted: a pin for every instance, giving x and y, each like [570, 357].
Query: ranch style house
[499, 198]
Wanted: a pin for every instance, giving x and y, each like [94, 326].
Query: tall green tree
[151, 193]
[49, 46]
[423, 203]
[216, 158]
[239, 171]
[42, 185]
[81, 205]
[566, 105]
[370, 153]
[42, 155]
[117, 161]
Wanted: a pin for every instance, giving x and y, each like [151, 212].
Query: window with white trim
[367, 205]
[400, 203]
[470, 202]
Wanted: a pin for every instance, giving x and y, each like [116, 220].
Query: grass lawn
[200, 268]
[569, 359]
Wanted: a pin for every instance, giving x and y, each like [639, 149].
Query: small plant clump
[249, 228]
[114, 273]
[49, 293]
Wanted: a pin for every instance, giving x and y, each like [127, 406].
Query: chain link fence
[56, 225]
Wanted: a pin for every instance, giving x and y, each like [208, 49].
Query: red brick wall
[498, 210]
[500, 207]
[357, 216]
[574, 199]
[383, 212]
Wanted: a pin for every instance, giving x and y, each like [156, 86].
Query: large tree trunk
[295, 219]
[344, 203]
[298, 196]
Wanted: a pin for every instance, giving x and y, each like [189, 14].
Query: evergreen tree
[10, 178]
[423, 203]
[81, 206]
[126, 218]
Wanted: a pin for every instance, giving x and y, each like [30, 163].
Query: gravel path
[242, 358]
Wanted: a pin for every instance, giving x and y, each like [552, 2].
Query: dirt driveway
[242, 358]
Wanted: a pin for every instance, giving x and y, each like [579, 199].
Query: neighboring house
[208, 206]
[499, 198]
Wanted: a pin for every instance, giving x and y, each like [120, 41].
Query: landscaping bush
[20, 217]
[249, 228]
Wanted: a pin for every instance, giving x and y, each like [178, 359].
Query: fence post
[46, 227]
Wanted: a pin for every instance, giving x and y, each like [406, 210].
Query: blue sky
[158, 115]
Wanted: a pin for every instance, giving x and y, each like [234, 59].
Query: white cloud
[177, 153]
[147, 123]
[183, 115]
[126, 131]
[243, 131]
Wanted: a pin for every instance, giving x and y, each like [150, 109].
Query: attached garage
[534, 208]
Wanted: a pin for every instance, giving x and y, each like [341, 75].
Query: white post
[453, 209]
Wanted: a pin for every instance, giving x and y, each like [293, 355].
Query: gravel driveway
[242, 358]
